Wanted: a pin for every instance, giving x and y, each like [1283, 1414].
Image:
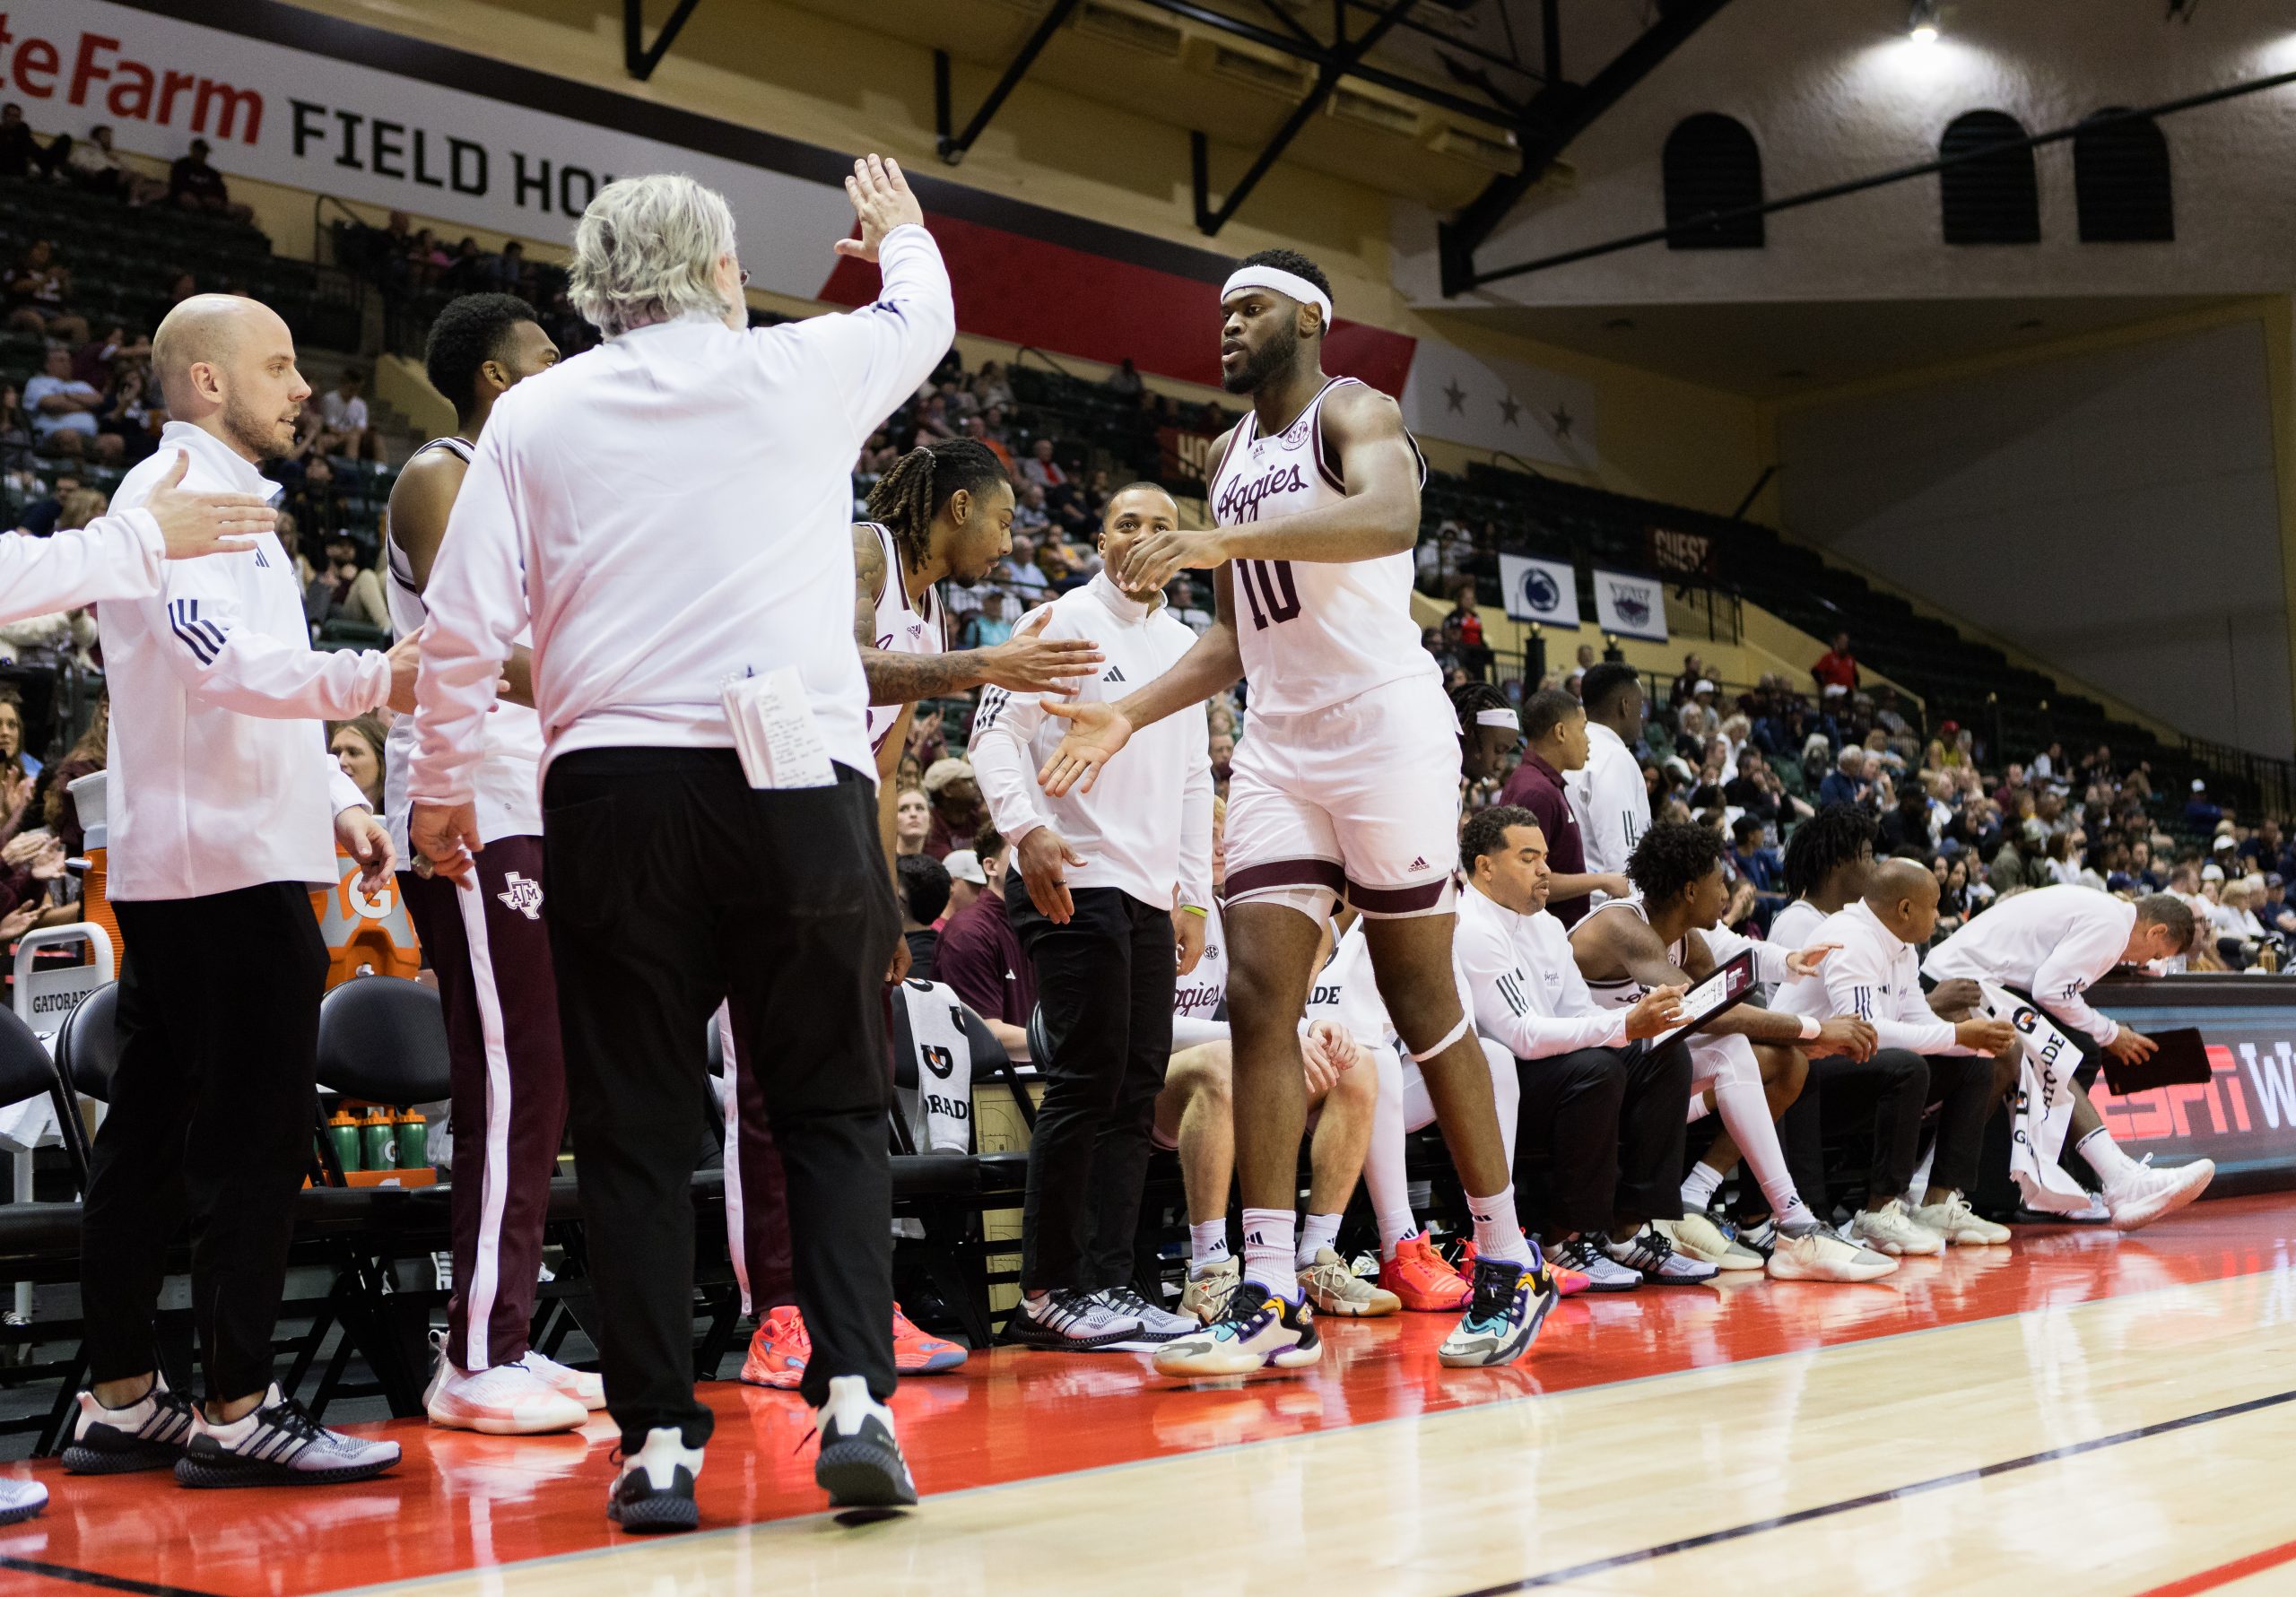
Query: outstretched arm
[1026, 663]
[1097, 730]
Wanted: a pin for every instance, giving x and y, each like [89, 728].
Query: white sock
[1699, 1187]
[1035, 1300]
[1496, 1233]
[1269, 1251]
[1745, 1111]
[1320, 1232]
[2113, 1168]
[1207, 1245]
[1794, 1217]
[1393, 1229]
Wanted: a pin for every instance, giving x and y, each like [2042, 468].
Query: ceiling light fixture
[1921, 21]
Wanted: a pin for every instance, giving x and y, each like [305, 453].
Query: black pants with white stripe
[1104, 994]
[676, 886]
[210, 1120]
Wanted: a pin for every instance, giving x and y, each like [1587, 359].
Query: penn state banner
[1542, 590]
[1630, 606]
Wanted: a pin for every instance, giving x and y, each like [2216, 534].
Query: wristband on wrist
[1810, 1027]
[1195, 910]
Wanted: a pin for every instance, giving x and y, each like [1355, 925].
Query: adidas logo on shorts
[1418, 864]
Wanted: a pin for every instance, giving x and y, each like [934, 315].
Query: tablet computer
[1731, 984]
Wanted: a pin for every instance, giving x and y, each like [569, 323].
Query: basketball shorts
[1359, 799]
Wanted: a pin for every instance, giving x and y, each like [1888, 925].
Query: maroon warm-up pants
[490, 952]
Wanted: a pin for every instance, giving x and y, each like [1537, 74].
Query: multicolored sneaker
[1207, 1293]
[918, 1354]
[778, 1350]
[1335, 1289]
[1511, 1301]
[1256, 1330]
[1422, 1278]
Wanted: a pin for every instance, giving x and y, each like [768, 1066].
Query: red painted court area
[460, 1502]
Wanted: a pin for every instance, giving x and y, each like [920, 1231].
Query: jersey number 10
[1265, 580]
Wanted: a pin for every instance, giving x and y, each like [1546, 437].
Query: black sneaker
[860, 1465]
[1071, 1322]
[277, 1444]
[148, 1434]
[654, 1491]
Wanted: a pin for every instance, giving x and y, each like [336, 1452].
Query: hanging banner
[1681, 554]
[1630, 606]
[1542, 590]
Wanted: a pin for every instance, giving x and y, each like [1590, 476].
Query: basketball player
[941, 511]
[487, 943]
[123, 556]
[2050, 945]
[1655, 937]
[1346, 781]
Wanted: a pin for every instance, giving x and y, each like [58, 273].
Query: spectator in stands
[967, 881]
[349, 587]
[1463, 633]
[979, 956]
[19, 153]
[95, 166]
[1040, 468]
[924, 887]
[2020, 863]
[195, 186]
[2277, 914]
[1847, 783]
[958, 813]
[357, 745]
[1837, 667]
[18, 770]
[2049, 765]
[86, 757]
[124, 428]
[317, 508]
[1222, 748]
[912, 821]
[1125, 380]
[347, 430]
[2201, 813]
[62, 408]
[933, 424]
[39, 293]
[15, 425]
[992, 387]
[1906, 829]
[1029, 514]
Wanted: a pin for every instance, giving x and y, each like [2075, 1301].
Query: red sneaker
[1419, 1275]
[918, 1354]
[778, 1351]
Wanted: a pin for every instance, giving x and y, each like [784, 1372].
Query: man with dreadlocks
[944, 510]
[1346, 781]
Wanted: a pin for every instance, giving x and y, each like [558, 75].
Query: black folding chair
[87, 1058]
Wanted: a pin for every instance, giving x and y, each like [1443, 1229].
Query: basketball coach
[671, 512]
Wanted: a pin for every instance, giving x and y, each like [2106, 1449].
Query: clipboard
[1731, 984]
[2181, 1061]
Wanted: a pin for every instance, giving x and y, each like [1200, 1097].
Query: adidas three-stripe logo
[1510, 988]
[204, 638]
[1116, 675]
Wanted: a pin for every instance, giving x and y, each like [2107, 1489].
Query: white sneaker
[508, 1400]
[277, 1444]
[1822, 1253]
[1889, 1229]
[2148, 1193]
[1158, 1324]
[1602, 1273]
[1961, 1225]
[1335, 1289]
[654, 1491]
[1703, 1240]
[1651, 1255]
[1071, 1322]
[1207, 1293]
[584, 1388]
[20, 1499]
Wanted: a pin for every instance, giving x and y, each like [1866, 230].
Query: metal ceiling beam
[637, 56]
[952, 148]
[1317, 54]
[1337, 63]
[1559, 113]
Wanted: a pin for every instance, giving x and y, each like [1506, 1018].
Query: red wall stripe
[1071, 301]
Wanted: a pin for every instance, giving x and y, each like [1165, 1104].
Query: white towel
[2046, 1059]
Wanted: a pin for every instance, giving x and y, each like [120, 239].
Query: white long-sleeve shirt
[2054, 942]
[1143, 834]
[119, 556]
[1612, 806]
[1528, 994]
[1874, 975]
[221, 778]
[673, 511]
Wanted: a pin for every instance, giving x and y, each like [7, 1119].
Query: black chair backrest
[25, 1069]
[990, 1062]
[87, 1047]
[383, 1040]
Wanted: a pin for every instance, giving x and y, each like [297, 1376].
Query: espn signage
[2244, 1117]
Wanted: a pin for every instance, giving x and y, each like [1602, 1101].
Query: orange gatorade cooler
[365, 935]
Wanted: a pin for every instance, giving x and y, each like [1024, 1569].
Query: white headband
[1507, 718]
[1282, 282]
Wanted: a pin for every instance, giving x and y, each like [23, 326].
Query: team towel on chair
[939, 1108]
[2046, 1059]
